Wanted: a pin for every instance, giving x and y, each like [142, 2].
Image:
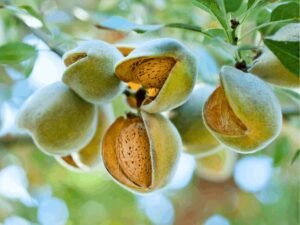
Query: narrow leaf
[296, 156]
[32, 12]
[286, 10]
[27, 14]
[4, 77]
[247, 47]
[185, 26]
[287, 52]
[28, 65]
[250, 3]
[121, 24]
[232, 5]
[292, 94]
[263, 16]
[213, 7]
[16, 52]
[281, 151]
[254, 4]
[216, 35]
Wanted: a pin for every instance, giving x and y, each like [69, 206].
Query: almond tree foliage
[219, 33]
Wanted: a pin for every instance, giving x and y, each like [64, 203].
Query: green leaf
[213, 7]
[4, 77]
[232, 5]
[217, 34]
[281, 151]
[250, 3]
[289, 102]
[16, 52]
[186, 27]
[253, 4]
[287, 52]
[27, 14]
[286, 10]
[247, 47]
[296, 156]
[121, 24]
[263, 16]
[32, 12]
[27, 66]
[18, 55]
[292, 94]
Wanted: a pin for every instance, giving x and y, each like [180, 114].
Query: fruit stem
[140, 96]
[240, 62]
[234, 24]
[242, 65]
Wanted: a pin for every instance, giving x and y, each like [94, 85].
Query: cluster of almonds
[72, 120]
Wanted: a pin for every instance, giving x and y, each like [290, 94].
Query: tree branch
[45, 38]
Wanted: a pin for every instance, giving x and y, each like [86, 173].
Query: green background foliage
[93, 198]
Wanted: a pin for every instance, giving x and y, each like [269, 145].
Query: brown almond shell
[164, 145]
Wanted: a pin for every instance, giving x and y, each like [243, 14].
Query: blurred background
[259, 189]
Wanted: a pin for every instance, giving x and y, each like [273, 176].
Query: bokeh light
[270, 194]
[14, 184]
[48, 67]
[52, 211]
[158, 208]
[217, 220]
[252, 173]
[183, 173]
[16, 220]
[36, 190]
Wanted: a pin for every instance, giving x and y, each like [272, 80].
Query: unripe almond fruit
[141, 152]
[59, 121]
[89, 157]
[243, 113]
[188, 119]
[90, 71]
[164, 65]
[269, 67]
[217, 167]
